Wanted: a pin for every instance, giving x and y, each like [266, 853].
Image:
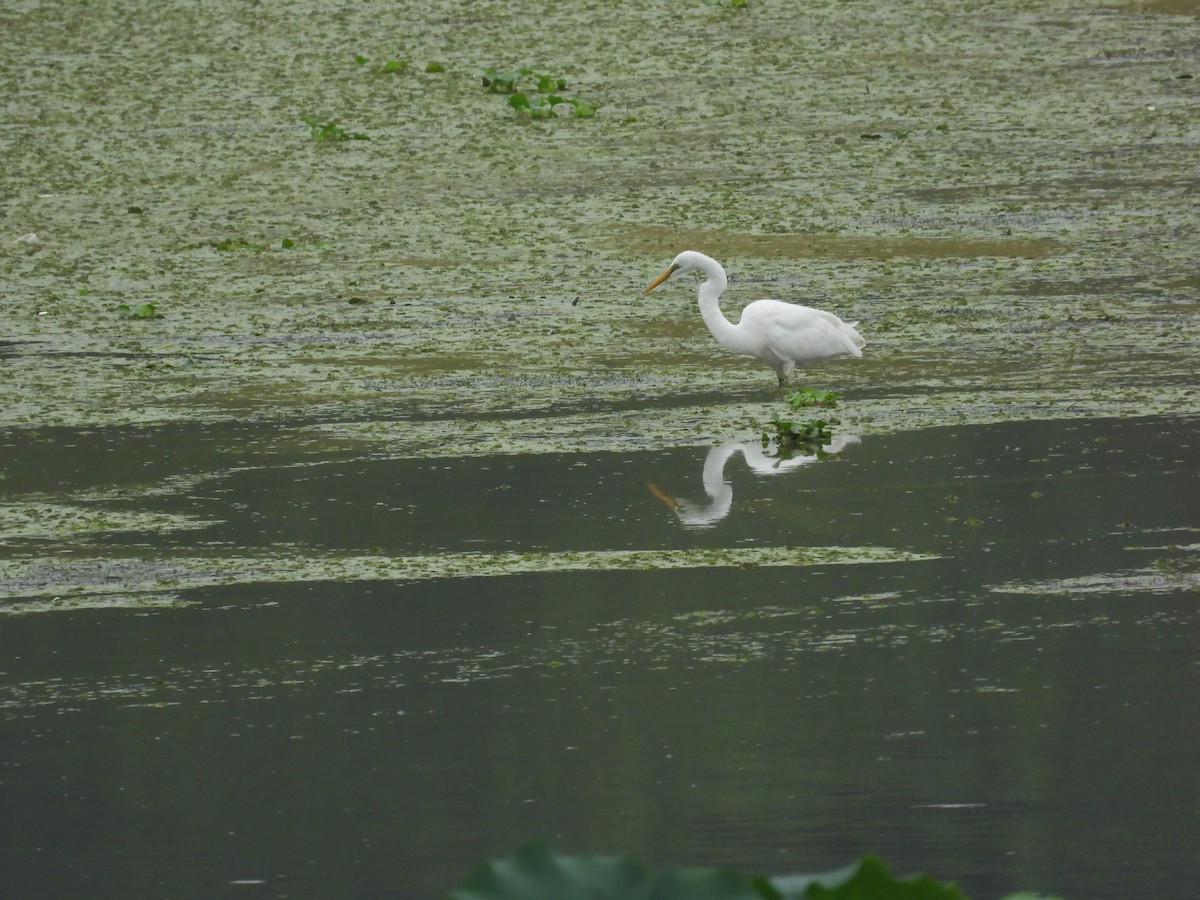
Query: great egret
[783, 335]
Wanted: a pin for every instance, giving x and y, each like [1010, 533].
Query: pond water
[969, 649]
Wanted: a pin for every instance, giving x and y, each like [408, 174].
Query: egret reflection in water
[695, 514]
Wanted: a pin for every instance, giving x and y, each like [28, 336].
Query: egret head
[684, 262]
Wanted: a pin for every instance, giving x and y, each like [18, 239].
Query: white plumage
[783, 335]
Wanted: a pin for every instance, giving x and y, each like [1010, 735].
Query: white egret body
[783, 335]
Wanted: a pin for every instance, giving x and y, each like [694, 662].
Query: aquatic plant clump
[540, 99]
[793, 434]
[331, 132]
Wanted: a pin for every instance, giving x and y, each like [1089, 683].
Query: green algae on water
[127, 581]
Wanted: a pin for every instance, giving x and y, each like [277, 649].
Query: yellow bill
[660, 279]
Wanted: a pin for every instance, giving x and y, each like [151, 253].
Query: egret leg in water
[783, 335]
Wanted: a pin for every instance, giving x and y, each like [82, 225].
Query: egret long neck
[722, 329]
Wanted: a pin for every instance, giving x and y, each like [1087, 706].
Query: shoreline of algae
[973, 189]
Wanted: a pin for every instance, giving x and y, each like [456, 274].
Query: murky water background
[402, 530]
[1013, 703]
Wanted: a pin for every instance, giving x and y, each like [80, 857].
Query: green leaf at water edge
[534, 107]
[710, 884]
[499, 81]
[535, 872]
[547, 83]
[869, 880]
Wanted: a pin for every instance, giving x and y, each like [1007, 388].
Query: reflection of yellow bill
[660, 493]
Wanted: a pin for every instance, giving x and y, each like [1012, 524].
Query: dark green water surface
[1011, 705]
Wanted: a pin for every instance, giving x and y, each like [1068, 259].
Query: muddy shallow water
[401, 528]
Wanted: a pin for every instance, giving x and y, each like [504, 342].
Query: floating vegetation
[793, 434]
[74, 603]
[43, 519]
[148, 310]
[808, 397]
[1151, 580]
[391, 66]
[241, 244]
[500, 81]
[331, 132]
[808, 437]
[542, 104]
[125, 581]
[234, 244]
[543, 107]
